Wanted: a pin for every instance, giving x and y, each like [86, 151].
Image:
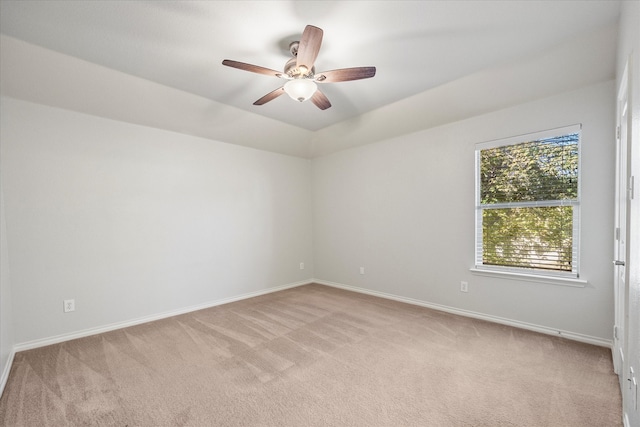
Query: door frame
[623, 186]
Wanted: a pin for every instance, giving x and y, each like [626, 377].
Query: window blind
[527, 207]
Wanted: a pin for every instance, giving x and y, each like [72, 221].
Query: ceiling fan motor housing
[291, 70]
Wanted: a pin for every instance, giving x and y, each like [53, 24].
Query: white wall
[132, 221]
[403, 208]
[629, 51]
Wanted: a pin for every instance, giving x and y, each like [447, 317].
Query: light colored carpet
[314, 356]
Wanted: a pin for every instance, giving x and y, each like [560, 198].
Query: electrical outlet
[464, 287]
[302, 266]
[361, 270]
[69, 305]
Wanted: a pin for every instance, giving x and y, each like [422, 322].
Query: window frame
[571, 278]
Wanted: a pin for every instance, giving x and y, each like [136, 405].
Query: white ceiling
[417, 46]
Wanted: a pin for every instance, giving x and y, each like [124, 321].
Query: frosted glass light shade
[300, 89]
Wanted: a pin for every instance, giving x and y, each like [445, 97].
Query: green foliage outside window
[526, 192]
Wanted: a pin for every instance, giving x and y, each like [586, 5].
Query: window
[527, 203]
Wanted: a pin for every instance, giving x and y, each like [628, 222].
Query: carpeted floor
[314, 356]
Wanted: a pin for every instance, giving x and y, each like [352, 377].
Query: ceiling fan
[300, 72]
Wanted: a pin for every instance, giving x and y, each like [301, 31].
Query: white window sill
[563, 281]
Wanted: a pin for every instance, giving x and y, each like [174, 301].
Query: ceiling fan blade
[345, 74]
[320, 100]
[252, 68]
[309, 47]
[270, 96]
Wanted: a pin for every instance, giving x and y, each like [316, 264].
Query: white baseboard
[5, 371]
[119, 325]
[495, 319]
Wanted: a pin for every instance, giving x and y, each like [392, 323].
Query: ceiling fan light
[300, 89]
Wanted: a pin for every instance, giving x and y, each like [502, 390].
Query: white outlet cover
[69, 305]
